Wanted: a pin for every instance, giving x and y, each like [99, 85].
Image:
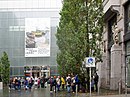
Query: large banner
[37, 37]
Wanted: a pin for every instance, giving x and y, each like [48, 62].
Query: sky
[30, 4]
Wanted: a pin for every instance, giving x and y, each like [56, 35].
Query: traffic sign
[90, 62]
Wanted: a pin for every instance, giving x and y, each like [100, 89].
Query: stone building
[115, 67]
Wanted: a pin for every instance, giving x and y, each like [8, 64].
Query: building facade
[27, 35]
[115, 69]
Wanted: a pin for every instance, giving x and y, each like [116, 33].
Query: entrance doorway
[37, 71]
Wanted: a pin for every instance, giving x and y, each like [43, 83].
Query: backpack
[69, 80]
[51, 81]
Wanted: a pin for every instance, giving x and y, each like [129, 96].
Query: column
[115, 66]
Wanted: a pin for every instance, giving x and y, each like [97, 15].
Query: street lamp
[0, 77]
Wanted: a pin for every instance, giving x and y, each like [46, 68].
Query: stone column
[115, 66]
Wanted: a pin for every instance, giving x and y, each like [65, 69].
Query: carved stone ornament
[116, 31]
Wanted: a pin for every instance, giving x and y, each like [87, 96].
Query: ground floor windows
[128, 63]
[128, 71]
[35, 71]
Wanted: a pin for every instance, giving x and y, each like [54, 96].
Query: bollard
[125, 89]
[76, 89]
[1, 85]
[119, 88]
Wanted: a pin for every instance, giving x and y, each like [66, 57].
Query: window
[127, 18]
[111, 24]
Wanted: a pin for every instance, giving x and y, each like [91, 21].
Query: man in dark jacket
[96, 77]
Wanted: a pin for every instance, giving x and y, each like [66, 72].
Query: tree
[1, 72]
[79, 34]
[5, 68]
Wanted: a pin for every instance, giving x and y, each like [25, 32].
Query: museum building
[27, 35]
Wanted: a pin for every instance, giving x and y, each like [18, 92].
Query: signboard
[90, 62]
[37, 37]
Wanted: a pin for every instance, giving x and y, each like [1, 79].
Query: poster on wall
[37, 37]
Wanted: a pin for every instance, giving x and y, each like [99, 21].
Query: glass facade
[12, 32]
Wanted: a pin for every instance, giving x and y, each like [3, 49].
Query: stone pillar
[101, 71]
[115, 66]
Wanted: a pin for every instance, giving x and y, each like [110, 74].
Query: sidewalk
[87, 95]
[45, 92]
[122, 95]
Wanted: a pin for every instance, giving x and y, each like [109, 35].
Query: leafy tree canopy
[79, 34]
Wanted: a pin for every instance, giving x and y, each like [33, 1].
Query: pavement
[44, 92]
[93, 95]
[122, 95]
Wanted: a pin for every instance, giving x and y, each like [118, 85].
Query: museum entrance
[37, 71]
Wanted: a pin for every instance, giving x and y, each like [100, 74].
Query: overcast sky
[30, 4]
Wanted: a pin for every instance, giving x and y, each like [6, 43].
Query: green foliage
[79, 34]
[5, 70]
[1, 72]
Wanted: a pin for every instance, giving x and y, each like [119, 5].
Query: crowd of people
[70, 83]
[18, 83]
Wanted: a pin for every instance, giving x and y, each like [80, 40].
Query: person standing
[51, 80]
[96, 78]
[73, 85]
[63, 82]
[68, 80]
[42, 82]
[55, 84]
[58, 80]
[26, 84]
[92, 84]
[77, 82]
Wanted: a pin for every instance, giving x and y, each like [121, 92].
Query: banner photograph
[37, 37]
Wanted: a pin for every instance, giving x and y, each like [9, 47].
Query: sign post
[90, 62]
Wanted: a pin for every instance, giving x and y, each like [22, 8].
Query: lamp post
[0, 77]
[1, 83]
